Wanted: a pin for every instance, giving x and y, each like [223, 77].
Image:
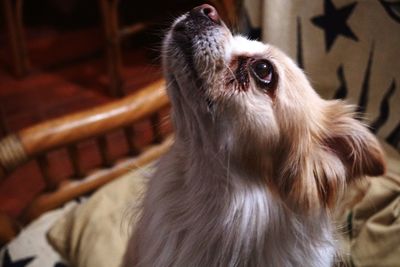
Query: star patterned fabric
[334, 22]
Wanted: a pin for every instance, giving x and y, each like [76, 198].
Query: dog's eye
[263, 71]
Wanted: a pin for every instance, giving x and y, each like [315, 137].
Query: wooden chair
[113, 35]
[13, 19]
[35, 142]
[112, 30]
[3, 124]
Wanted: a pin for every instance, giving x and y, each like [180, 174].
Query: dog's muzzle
[195, 48]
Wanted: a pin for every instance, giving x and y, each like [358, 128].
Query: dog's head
[250, 102]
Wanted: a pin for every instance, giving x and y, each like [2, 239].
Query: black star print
[333, 22]
[392, 8]
[7, 262]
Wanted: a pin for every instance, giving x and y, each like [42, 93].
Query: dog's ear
[352, 142]
[343, 149]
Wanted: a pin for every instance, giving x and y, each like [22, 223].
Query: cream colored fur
[252, 177]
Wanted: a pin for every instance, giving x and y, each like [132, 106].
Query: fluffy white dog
[258, 162]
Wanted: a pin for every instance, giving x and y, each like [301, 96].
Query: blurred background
[59, 57]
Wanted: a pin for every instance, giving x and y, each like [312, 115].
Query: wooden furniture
[3, 125]
[13, 19]
[113, 35]
[35, 142]
[112, 31]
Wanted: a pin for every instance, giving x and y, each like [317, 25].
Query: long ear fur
[352, 142]
[349, 151]
[341, 149]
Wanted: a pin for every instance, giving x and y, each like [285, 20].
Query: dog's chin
[194, 55]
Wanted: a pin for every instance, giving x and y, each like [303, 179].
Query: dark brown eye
[263, 71]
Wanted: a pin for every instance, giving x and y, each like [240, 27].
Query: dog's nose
[208, 11]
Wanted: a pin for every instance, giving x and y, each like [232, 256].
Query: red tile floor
[68, 73]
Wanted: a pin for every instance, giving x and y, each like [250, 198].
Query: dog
[258, 162]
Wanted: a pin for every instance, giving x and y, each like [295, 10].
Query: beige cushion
[370, 215]
[95, 233]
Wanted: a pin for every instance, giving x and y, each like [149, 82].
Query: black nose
[208, 11]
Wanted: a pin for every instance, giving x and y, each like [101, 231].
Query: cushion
[30, 247]
[96, 233]
[371, 216]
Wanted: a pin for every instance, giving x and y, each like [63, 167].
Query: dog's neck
[248, 220]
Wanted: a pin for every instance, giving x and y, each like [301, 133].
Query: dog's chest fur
[236, 222]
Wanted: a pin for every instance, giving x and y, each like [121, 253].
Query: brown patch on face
[238, 77]
[327, 185]
[241, 73]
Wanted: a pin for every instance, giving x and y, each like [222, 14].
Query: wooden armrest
[70, 191]
[18, 148]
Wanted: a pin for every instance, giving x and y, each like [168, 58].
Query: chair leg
[109, 12]
[14, 23]
[3, 125]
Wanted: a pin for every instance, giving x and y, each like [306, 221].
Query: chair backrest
[65, 133]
